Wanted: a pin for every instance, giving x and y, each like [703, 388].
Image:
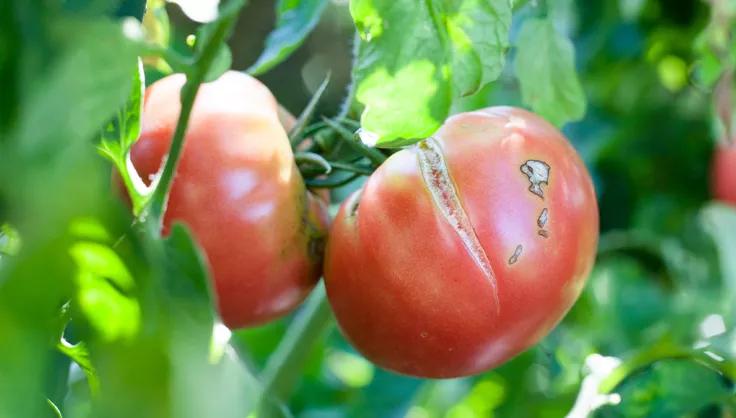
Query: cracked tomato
[239, 191]
[465, 249]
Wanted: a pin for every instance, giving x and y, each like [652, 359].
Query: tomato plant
[509, 224]
[578, 267]
[238, 189]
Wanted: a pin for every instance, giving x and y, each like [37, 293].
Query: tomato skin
[239, 191]
[405, 288]
[723, 174]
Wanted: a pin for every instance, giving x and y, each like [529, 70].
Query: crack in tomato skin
[437, 178]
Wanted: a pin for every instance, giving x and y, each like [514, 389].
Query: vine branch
[195, 76]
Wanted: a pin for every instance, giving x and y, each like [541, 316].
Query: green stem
[314, 160]
[54, 409]
[330, 183]
[175, 60]
[195, 76]
[295, 135]
[374, 155]
[137, 190]
[313, 129]
[285, 365]
[366, 171]
[664, 352]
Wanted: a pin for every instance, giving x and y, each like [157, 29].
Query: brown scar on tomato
[354, 203]
[538, 174]
[436, 176]
[515, 256]
[542, 220]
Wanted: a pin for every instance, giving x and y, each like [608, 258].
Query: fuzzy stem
[195, 77]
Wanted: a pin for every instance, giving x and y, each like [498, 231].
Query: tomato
[239, 191]
[464, 250]
[723, 176]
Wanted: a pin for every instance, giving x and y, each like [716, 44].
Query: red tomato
[466, 249]
[239, 191]
[723, 177]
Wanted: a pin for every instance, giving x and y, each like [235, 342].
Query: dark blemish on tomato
[355, 203]
[538, 174]
[542, 220]
[515, 256]
[316, 248]
[543, 233]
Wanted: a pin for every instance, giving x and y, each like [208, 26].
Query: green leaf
[101, 280]
[188, 278]
[667, 390]
[199, 352]
[416, 58]
[545, 67]
[121, 133]
[72, 74]
[80, 355]
[94, 94]
[295, 19]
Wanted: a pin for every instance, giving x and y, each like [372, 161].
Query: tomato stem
[295, 135]
[664, 351]
[374, 155]
[195, 77]
[366, 171]
[176, 61]
[314, 160]
[330, 183]
[285, 365]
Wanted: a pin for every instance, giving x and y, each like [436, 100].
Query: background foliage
[99, 318]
